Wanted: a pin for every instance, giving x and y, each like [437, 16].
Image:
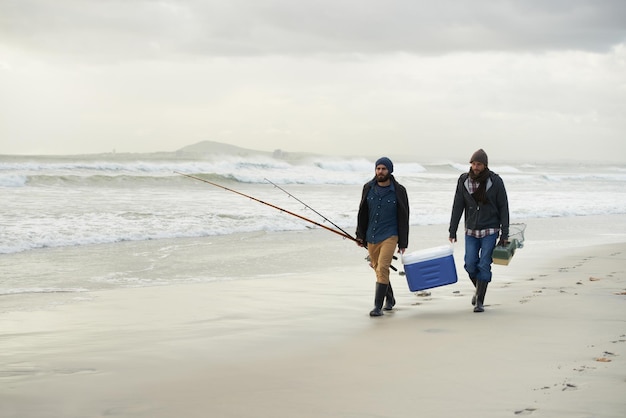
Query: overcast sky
[525, 80]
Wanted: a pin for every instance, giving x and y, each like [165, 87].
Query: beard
[381, 178]
[479, 175]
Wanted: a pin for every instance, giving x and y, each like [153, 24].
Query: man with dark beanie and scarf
[383, 224]
[481, 195]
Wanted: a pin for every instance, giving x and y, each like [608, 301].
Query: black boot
[473, 279]
[481, 290]
[381, 291]
[390, 301]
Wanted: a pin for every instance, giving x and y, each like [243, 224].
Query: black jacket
[403, 213]
[494, 214]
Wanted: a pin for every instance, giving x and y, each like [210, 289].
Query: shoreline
[299, 342]
[73, 274]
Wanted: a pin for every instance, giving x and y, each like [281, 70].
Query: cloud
[436, 77]
[132, 29]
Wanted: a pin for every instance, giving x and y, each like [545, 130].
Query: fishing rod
[325, 218]
[309, 207]
[340, 233]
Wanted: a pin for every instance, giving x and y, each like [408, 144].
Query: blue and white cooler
[432, 267]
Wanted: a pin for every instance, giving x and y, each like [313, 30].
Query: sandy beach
[296, 340]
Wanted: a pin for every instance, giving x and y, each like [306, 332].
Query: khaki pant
[381, 256]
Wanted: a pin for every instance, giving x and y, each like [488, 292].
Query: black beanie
[479, 156]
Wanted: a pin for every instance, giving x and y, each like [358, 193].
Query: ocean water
[70, 202]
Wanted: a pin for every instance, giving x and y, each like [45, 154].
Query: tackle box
[502, 254]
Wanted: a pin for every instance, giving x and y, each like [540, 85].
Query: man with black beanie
[481, 195]
[383, 224]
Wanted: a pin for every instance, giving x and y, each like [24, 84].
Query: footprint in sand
[605, 357]
[525, 411]
[569, 386]
[526, 299]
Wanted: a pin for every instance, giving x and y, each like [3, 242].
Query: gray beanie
[479, 156]
[386, 162]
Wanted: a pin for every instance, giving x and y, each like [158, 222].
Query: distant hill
[202, 150]
[212, 147]
[207, 148]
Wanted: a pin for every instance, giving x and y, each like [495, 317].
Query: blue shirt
[383, 213]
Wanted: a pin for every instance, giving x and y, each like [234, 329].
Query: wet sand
[294, 339]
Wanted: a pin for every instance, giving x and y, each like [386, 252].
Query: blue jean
[478, 256]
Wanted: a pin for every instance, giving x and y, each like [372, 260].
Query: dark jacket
[494, 214]
[403, 213]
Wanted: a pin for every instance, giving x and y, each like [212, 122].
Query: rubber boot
[481, 290]
[390, 301]
[473, 279]
[379, 298]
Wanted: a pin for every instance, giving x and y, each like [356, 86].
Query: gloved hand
[503, 242]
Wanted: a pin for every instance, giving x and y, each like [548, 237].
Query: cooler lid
[427, 254]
